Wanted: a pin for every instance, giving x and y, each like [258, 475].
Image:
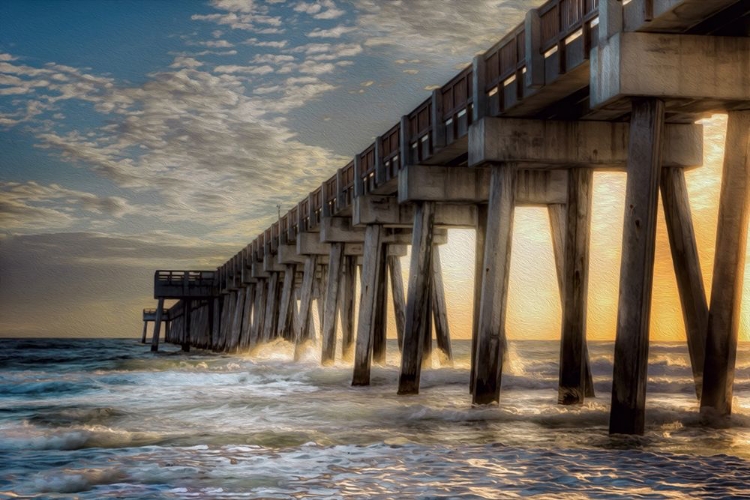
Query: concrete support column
[143, 337]
[272, 308]
[346, 308]
[157, 326]
[674, 197]
[239, 309]
[439, 307]
[187, 316]
[397, 293]
[418, 302]
[284, 326]
[373, 253]
[729, 267]
[637, 268]
[491, 340]
[380, 330]
[216, 323]
[481, 231]
[572, 382]
[308, 280]
[246, 327]
[329, 319]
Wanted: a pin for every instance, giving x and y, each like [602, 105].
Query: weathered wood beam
[397, 293]
[417, 305]
[729, 266]
[572, 385]
[674, 197]
[329, 319]
[637, 268]
[346, 308]
[491, 339]
[157, 325]
[311, 263]
[439, 307]
[479, 239]
[365, 323]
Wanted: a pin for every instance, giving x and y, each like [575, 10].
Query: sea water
[108, 418]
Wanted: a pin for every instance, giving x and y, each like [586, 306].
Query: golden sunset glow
[534, 305]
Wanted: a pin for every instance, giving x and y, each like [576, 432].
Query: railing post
[533, 50]
[436, 113]
[380, 175]
[403, 141]
[479, 89]
[358, 186]
[340, 195]
[325, 210]
[610, 20]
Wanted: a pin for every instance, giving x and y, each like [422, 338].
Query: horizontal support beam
[270, 264]
[548, 144]
[340, 230]
[385, 210]
[699, 73]
[469, 185]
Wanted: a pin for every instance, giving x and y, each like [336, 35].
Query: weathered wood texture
[239, 310]
[729, 266]
[417, 305]
[637, 268]
[216, 324]
[380, 322]
[269, 328]
[367, 304]
[329, 319]
[286, 316]
[187, 315]
[157, 325]
[246, 327]
[687, 267]
[491, 339]
[479, 239]
[397, 294]
[439, 307]
[308, 279]
[557, 218]
[349, 290]
[571, 389]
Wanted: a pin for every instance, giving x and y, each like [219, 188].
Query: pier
[580, 86]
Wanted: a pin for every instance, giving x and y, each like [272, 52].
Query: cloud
[435, 28]
[331, 33]
[30, 206]
[320, 9]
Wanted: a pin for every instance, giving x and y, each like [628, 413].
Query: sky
[145, 134]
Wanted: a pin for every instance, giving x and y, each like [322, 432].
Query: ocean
[95, 418]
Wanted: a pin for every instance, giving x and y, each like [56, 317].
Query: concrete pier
[578, 87]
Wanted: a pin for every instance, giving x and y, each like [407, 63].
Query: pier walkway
[580, 86]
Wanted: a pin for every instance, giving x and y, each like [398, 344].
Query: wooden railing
[562, 18]
[391, 144]
[275, 228]
[331, 194]
[294, 224]
[347, 188]
[304, 215]
[446, 116]
[420, 133]
[367, 163]
[505, 64]
[316, 209]
[457, 101]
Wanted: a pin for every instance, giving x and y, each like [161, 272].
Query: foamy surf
[173, 425]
